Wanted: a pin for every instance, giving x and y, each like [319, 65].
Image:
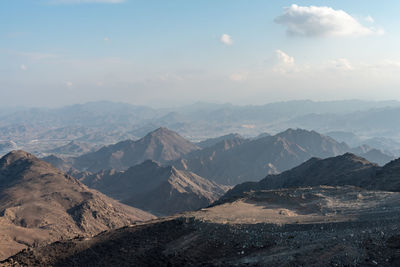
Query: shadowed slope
[158, 189]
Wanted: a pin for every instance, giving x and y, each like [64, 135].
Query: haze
[167, 53]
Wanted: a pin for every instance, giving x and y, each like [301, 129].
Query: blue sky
[164, 53]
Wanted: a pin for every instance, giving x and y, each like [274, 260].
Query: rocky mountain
[314, 226]
[40, 204]
[160, 145]
[234, 161]
[347, 169]
[157, 189]
[213, 141]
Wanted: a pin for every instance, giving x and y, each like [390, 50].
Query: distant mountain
[73, 148]
[234, 161]
[375, 155]
[382, 122]
[387, 146]
[102, 123]
[213, 141]
[160, 190]
[40, 204]
[262, 135]
[347, 169]
[348, 137]
[58, 162]
[160, 145]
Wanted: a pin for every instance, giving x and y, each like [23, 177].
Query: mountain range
[238, 160]
[161, 145]
[226, 160]
[39, 130]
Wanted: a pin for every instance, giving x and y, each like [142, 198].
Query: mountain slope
[160, 145]
[347, 169]
[39, 204]
[160, 190]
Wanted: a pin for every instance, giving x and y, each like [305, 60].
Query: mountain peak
[14, 156]
[149, 163]
[18, 154]
[352, 157]
[297, 131]
[161, 131]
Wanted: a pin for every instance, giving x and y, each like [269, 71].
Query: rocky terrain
[161, 145]
[315, 226]
[40, 204]
[161, 190]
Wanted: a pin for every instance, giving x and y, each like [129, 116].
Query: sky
[173, 52]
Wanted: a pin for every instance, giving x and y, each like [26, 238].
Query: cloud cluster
[322, 21]
[284, 62]
[226, 39]
[283, 58]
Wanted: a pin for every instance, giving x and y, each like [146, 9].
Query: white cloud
[322, 21]
[283, 58]
[284, 62]
[106, 39]
[85, 1]
[23, 67]
[226, 39]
